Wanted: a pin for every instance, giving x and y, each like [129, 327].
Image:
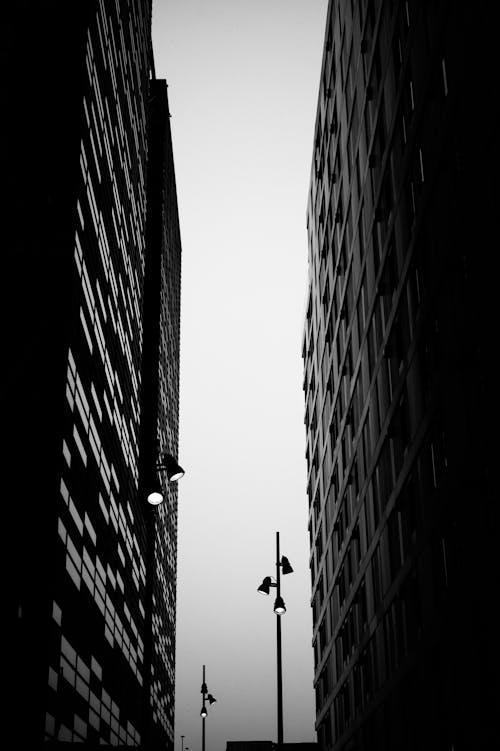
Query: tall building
[92, 258]
[398, 350]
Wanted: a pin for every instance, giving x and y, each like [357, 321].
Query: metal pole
[278, 646]
[204, 691]
[182, 741]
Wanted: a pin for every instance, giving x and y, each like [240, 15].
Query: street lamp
[152, 490]
[203, 714]
[155, 495]
[282, 567]
[168, 464]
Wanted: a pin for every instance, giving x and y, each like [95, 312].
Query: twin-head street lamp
[203, 714]
[211, 700]
[282, 567]
[174, 472]
[268, 582]
[152, 490]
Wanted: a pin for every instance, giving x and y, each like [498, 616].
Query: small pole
[278, 647]
[204, 691]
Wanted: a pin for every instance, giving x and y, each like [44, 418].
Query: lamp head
[203, 712]
[169, 464]
[265, 586]
[279, 606]
[155, 494]
[285, 565]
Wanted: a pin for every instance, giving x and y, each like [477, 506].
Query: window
[376, 570]
[445, 76]
[397, 54]
[323, 635]
[395, 536]
[325, 731]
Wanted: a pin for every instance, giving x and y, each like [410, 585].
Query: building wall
[78, 255]
[160, 375]
[399, 324]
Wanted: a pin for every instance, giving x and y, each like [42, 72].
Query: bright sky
[243, 81]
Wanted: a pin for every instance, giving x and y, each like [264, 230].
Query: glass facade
[81, 593]
[388, 413]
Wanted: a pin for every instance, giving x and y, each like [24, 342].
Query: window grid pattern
[163, 669]
[100, 526]
[372, 434]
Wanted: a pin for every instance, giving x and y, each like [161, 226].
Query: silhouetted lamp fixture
[282, 567]
[174, 472]
[266, 584]
[279, 606]
[211, 700]
[169, 465]
[155, 495]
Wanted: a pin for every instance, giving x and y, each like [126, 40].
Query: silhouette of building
[249, 746]
[398, 351]
[92, 257]
[269, 746]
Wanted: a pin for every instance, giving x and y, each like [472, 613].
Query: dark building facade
[269, 746]
[93, 254]
[398, 352]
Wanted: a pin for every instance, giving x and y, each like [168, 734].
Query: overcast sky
[243, 81]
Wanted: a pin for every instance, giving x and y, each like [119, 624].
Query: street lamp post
[279, 672]
[203, 714]
[282, 566]
[151, 489]
[182, 742]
